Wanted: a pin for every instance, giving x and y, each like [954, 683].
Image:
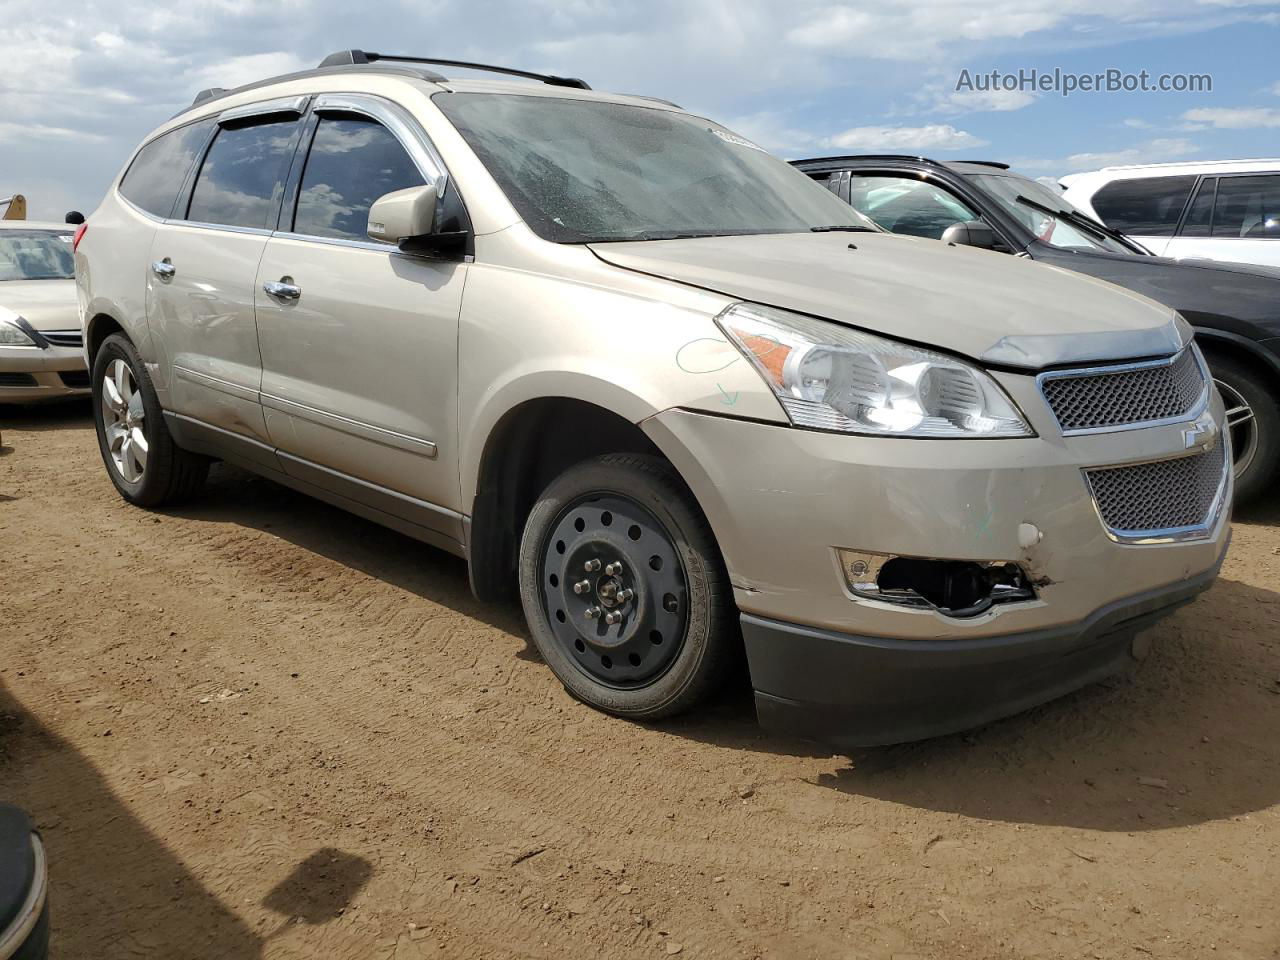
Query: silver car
[40, 349]
[680, 399]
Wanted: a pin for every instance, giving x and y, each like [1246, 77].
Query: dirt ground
[260, 727]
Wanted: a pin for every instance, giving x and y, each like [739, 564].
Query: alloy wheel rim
[124, 421]
[614, 591]
[1242, 425]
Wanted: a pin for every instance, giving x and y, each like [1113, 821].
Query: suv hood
[1005, 310]
[45, 304]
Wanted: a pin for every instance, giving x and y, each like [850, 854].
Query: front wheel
[624, 590]
[143, 462]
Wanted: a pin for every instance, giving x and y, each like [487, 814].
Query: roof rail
[986, 163]
[349, 57]
[868, 156]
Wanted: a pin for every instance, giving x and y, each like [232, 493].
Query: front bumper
[33, 374]
[857, 691]
[782, 502]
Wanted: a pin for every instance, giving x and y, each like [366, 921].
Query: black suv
[1235, 308]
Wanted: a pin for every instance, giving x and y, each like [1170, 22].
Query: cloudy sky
[82, 81]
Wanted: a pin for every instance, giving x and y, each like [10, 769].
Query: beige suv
[680, 398]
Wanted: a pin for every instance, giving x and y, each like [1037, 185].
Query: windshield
[581, 171]
[35, 255]
[1054, 231]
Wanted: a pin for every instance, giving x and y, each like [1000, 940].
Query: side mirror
[971, 233]
[404, 215]
[74, 216]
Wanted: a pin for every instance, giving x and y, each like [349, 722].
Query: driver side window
[907, 205]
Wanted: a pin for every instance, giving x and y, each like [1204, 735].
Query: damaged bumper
[1013, 589]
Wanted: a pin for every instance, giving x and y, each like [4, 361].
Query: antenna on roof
[344, 58]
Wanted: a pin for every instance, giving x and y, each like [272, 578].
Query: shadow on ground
[37, 417]
[1196, 724]
[116, 890]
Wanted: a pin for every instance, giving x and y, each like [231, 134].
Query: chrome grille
[1146, 499]
[1101, 399]
[63, 338]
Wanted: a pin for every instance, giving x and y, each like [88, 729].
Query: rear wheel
[624, 590]
[1253, 421]
[146, 466]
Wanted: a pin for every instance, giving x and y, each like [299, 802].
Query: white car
[1224, 210]
[41, 357]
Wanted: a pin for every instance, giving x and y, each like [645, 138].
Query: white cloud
[1232, 118]
[1153, 151]
[978, 101]
[237, 71]
[18, 132]
[934, 136]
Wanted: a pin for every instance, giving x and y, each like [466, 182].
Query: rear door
[200, 284]
[1235, 217]
[359, 340]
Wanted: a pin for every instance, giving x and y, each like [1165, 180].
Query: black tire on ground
[676, 637]
[1259, 475]
[171, 474]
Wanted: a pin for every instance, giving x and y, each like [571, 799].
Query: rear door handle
[164, 269]
[282, 289]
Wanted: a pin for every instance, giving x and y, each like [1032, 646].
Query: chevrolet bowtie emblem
[1202, 434]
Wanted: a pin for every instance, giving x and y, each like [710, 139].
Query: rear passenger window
[156, 174]
[1147, 207]
[243, 175]
[353, 162]
[1248, 208]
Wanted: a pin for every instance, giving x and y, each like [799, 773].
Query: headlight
[11, 335]
[830, 377]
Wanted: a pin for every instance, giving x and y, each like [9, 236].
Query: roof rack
[986, 163]
[349, 57]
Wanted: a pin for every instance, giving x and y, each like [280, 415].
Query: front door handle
[164, 269]
[282, 289]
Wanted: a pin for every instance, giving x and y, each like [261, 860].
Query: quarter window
[1248, 208]
[353, 162]
[156, 174]
[243, 175]
[906, 205]
[1146, 207]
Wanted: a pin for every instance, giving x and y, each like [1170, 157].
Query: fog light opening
[956, 588]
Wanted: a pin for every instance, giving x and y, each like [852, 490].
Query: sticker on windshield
[736, 140]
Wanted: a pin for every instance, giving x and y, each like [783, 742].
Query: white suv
[664, 386]
[1226, 210]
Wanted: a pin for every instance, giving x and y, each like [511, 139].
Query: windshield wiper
[842, 228]
[1080, 220]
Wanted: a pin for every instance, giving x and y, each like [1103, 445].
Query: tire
[675, 637]
[154, 472]
[1255, 440]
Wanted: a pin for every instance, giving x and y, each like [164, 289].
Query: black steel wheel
[624, 589]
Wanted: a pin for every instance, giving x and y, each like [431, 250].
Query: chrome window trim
[372, 245]
[294, 105]
[1197, 408]
[1184, 534]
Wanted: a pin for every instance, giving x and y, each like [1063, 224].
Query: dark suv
[1235, 308]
